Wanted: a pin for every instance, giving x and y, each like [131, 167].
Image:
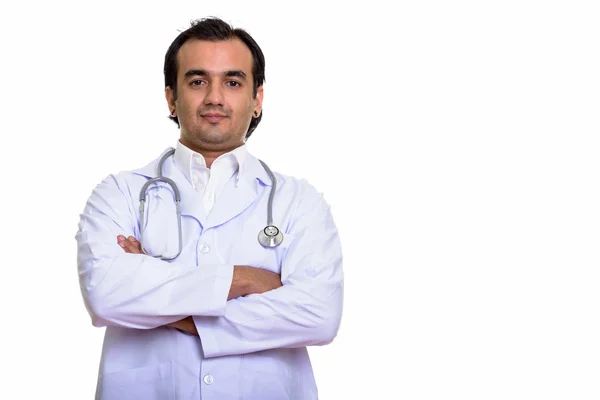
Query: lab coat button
[208, 379]
[204, 249]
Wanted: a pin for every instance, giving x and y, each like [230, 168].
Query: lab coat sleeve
[136, 290]
[305, 311]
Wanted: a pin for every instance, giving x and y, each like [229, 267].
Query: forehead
[214, 57]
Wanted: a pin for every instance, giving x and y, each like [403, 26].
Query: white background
[457, 143]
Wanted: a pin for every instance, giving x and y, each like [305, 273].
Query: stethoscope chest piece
[271, 236]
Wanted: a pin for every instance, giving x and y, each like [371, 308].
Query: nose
[214, 95]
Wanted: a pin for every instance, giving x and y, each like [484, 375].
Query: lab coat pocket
[251, 252]
[153, 382]
[269, 375]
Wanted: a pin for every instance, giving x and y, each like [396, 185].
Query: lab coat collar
[233, 200]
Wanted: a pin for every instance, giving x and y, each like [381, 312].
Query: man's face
[215, 100]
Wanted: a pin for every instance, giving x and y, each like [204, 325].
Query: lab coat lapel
[191, 201]
[236, 198]
[232, 201]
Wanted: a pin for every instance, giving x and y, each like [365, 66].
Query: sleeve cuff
[208, 340]
[205, 324]
[221, 287]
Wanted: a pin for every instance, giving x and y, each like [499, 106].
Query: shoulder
[306, 196]
[286, 185]
[298, 185]
[126, 182]
[303, 206]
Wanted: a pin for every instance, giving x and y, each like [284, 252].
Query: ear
[258, 100]
[170, 97]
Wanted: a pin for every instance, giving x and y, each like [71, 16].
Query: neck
[209, 154]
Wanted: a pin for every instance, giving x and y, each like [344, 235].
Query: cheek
[245, 115]
[187, 106]
[247, 108]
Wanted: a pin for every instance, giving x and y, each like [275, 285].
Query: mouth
[214, 117]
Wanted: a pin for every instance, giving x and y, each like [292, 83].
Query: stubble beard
[213, 135]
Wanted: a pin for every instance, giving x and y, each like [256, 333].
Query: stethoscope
[270, 236]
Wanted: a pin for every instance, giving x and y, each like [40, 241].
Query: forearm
[303, 312]
[245, 280]
[138, 291]
[240, 286]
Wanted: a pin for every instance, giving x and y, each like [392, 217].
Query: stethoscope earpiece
[271, 236]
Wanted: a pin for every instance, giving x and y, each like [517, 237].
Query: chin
[213, 137]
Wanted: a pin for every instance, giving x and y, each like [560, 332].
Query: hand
[252, 280]
[185, 325]
[130, 244]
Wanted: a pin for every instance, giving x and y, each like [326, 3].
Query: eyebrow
[202, 72]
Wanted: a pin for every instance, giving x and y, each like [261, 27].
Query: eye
[234, 84]
[197, 82]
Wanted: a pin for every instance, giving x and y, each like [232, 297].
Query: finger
[121, 242]
[136, 244]
[127, 246]
[132, 248]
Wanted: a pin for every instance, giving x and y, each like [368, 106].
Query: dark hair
[215, 29]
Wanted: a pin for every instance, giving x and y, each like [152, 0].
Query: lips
[214, 117]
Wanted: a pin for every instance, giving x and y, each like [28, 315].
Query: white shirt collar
[228, 164]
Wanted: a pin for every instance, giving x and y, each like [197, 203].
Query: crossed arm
[246, 280]
[235, 309]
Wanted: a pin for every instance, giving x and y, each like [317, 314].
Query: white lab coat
[252, 347]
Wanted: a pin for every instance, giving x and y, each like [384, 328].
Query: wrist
[241, 284]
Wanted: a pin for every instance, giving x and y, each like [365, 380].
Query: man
[228, 317]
